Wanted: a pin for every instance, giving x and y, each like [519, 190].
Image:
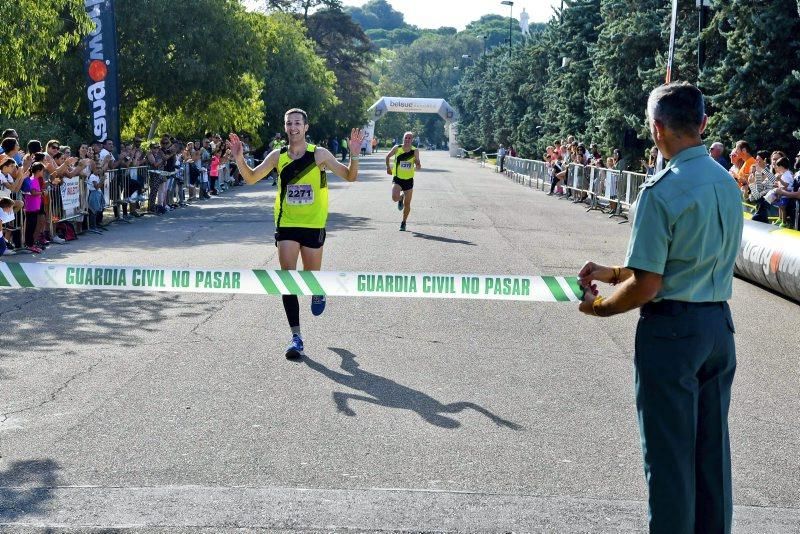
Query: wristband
[355, 158]
[597, 301]
[615, 279]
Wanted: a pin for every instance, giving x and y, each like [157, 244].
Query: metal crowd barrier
[225, 178]
[607, 190]
[156, 189]
[18, 229]
[528, 172]
[117, 189]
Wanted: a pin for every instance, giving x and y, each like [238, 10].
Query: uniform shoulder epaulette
[653, 180]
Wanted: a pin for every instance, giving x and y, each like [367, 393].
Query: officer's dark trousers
[685, 361]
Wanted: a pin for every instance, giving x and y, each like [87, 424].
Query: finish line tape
[264, 282]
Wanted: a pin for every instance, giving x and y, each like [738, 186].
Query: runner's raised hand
[236, 145]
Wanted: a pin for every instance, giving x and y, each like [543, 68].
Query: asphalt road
[179, 413]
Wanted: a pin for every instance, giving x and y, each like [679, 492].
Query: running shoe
[403, 226]
[33, 249]
[295, 348]
[401, 203]
[317, 304]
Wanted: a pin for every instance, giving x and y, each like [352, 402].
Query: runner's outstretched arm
[249, 174]
[349, 173]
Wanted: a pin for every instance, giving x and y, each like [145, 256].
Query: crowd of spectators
[770, 183]
[142, 177]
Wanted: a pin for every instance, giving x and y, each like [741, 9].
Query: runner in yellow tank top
[406, 161]
[301, 206]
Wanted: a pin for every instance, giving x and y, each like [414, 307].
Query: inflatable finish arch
[389, 104]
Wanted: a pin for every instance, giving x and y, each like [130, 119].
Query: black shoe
[403, 226]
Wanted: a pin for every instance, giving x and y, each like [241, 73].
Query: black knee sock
[292, 308]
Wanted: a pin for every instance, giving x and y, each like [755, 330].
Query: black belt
[676, 307]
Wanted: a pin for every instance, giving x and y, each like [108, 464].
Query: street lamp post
[510, 5]
[485, 37]
[703, 6]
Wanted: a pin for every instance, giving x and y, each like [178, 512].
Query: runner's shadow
[444, 239]
[26, 487]
[384, 392]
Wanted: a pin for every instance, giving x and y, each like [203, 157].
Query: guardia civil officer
[406, 161]
[301, 206]
[685, 233]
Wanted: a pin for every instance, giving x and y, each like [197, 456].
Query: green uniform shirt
[687, 226]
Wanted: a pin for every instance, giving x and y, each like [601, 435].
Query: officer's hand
[594, 271]
[589, 295]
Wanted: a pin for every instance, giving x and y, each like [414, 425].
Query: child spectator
[6, 216]
[10, 180]
[32, 189]
[96, 200]
[213, 172]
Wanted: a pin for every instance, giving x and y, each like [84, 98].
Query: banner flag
[101, 71]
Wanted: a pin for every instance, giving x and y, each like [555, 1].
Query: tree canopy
[590, 69]
[213, 65]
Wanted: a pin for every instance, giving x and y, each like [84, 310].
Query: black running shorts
[405, 185]
[307, 237]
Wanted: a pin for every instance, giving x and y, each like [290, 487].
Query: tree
[292, 72]
[495, 29]
[245, 112]
[755, 88]
[35, 33]
[425, 67]
[565, 104]
[160, 61]
[377, 14]
[531, 63]
[300, 6]
[626, 69]
[347, 52]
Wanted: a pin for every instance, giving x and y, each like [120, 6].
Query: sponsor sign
[71, 197]
[101, 71]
